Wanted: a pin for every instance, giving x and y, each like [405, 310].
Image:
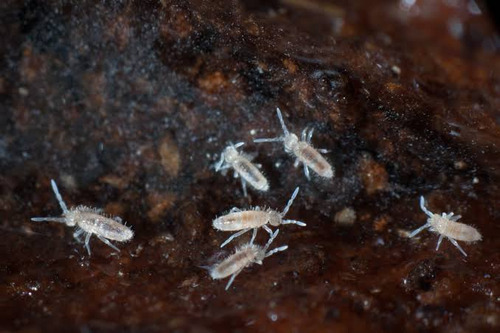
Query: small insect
[89, 221]
[302, 150]
[243, 168]
[246, 220]
[446, 225]
[244, 257]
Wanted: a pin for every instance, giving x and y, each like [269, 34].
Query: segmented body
[456, 230]
[243, 168]
[250, 173]
[306, 154]
[242, 258]
[246, 220]
[446, 226]
[90, 221]
[243, 220]
[302, 150]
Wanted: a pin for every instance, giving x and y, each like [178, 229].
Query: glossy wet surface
[128, 106]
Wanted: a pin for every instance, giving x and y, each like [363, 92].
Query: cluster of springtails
[302, 150]
[91, 221]
[243, 221]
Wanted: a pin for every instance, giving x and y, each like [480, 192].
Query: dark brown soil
[127, 105]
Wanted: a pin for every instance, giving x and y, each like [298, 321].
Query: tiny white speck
[23, 91]
[253, 132]
[235, 79]
[34, 286]
[475, 180]
[250, 322]
[396, 70]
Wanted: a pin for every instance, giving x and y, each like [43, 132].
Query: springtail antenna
[290, 202]
[283, 126]
[268, 140]
[422, 206]
[49, 219]
[278, 249]
[299, 223]
[58, 196]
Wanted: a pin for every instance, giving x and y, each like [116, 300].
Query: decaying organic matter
[129, 103]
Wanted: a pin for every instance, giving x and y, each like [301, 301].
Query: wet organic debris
[129, 104]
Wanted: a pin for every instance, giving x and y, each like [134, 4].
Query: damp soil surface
[128, 105]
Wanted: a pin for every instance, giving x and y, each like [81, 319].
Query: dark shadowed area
[128, 105]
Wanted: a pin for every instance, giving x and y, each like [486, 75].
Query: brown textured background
[128, 104]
